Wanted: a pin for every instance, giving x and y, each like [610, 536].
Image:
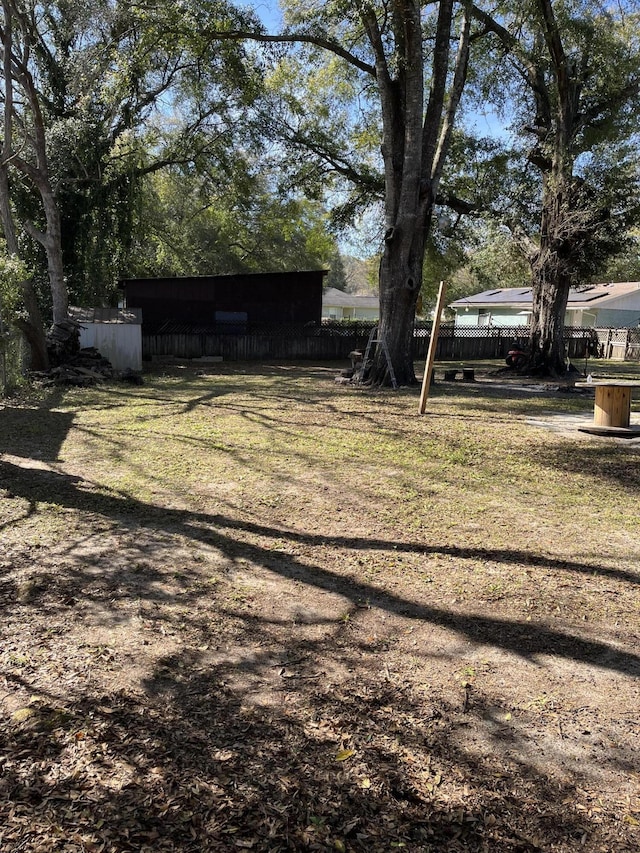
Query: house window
[484, 317]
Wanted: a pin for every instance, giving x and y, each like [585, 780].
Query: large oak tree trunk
[416, 137]
[414, 146]
[552, 271]
[400, 282]
[578, 110]
[546, 343]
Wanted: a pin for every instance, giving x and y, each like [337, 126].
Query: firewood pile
[63, 342]
[87, 367]
[71, 365]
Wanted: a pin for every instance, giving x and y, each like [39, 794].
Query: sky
[269, 11]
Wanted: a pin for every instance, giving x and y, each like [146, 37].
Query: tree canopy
[574, 92]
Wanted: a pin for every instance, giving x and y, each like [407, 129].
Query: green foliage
[443, 256]
[496, 260]
[175, 153]
[624, 266]
[216, 223]
[570, 180]
[12, 272]
[125, 91]
[12, 351]
[337, 276]
[325, 114]
[471, 258]
[607, 187]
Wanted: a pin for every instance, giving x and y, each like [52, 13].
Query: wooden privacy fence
[623, 344]
[333, 341]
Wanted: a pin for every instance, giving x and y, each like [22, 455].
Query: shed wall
[121, 343]
[264, 298]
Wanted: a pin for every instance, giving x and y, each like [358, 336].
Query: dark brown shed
[234, 301]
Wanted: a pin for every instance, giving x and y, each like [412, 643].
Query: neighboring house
[613, 305]
[226, 303]
[115, 332]
[338, 305]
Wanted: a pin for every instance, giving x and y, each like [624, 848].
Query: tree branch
[459, 79]
[320, 40]
[435, 103]
[531, 73]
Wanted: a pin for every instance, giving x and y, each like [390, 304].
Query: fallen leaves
[158, 715]
[345, 754]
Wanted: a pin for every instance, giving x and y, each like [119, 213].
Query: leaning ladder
[375, 338]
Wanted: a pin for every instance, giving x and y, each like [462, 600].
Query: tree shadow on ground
[41, 437]
[189, 765]
[524, 639]
[603, 463]
[192, 762]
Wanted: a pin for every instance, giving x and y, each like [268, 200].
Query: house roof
[591, 296]
[333, 296]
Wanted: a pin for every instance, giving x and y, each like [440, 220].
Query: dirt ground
[249, 610]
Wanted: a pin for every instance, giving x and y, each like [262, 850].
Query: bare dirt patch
[247, 609]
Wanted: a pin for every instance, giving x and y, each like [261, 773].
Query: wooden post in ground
[431, 354]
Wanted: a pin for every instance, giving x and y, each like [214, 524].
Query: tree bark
[552, 266]
[400, 281]
[31, 325]
[546, 343]
[415, 145]
[16, 72]
[552, 270]
[567, 223]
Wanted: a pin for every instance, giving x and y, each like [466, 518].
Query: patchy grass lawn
[245, 608]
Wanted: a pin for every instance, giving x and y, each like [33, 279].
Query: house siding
[340, 312]
[501, 317]
[617, 319]
[615, 305]
[338, 305]
[604, 318]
